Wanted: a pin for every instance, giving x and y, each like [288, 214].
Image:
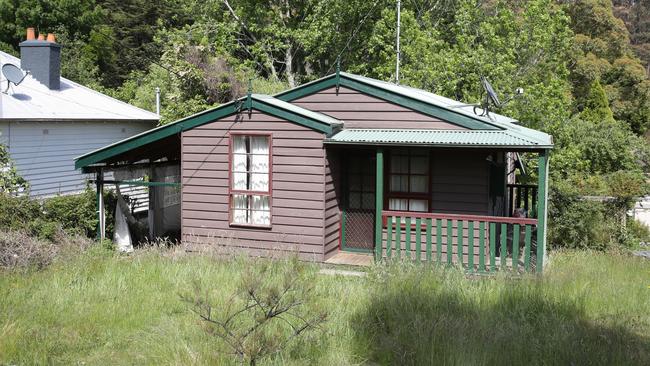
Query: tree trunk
[288, 64]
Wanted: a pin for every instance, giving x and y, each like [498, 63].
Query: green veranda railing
[480, 244]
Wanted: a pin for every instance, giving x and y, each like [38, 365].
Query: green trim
[542, 197]
[379, 202]
[404, 101]
[516, 231]
[155, 135]
[195, 121]
[343, 219]
[307, 89]
[148, 184]
[98, 188]
[419, 106]
[293, 117]
[344, 246]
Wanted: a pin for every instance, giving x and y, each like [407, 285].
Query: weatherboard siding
[332, 203]
[460, 182]
[44, 152]
[358, 110]
[298, 181]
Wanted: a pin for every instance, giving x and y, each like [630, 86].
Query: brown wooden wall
[333, 197]
[358, 110]
[460, 182]
[298, 182]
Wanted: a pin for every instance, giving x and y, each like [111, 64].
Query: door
[358, 221]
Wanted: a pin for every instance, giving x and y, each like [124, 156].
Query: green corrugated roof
[431, 98]
[465, 138]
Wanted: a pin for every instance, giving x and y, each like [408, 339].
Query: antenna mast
[399, 6]
[158, 101]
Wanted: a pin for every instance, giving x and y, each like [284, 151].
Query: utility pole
[399, 7]
[158, 101]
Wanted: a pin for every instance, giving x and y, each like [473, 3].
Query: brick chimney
[42, 58]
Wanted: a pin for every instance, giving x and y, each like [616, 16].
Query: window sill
[251, 226]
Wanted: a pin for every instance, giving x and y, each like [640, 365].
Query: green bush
[17, 212]
[76, 213]
[73, 214]
[638, 231]
[577, 223]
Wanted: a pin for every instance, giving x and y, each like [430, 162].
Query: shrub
[20, 250]
[75, 214]
[577, 221]
[16, 212]
[273, 304]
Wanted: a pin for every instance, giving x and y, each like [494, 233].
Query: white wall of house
[44, 152]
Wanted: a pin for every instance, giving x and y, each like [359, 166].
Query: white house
[46, 121]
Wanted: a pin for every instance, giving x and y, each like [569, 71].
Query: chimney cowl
[31, 35]
[43, 61]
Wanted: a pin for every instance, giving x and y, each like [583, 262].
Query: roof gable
[263, 103]
[414, 99]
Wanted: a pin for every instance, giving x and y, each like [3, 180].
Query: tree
[271, 307]
[603, 52]
[10, 181]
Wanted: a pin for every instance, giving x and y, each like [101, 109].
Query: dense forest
[583, 65]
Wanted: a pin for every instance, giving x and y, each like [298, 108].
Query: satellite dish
[492, 99]
[490, 92]
[13, 74]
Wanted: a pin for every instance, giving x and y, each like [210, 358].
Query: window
[408, 181]
[250, 183]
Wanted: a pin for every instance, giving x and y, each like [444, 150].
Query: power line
[353, 35]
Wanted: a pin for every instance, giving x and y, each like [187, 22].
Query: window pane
[239, 163]
[354, 200]
[418, 184]
[399, 164]
[261, 211]
[368, 200]
[419, 165]
[418, 205]
[399, 183]
[240, 209]
[398, 204]
[355, 182]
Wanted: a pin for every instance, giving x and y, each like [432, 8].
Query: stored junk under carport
[349, 163]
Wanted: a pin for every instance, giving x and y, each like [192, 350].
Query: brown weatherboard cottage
[349, 163]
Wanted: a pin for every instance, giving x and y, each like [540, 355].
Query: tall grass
[101, 308]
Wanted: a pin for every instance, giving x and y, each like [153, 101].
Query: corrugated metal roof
[32, 100]
[468, 138]
[428, 97]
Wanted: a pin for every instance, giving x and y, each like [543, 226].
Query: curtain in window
[418, 205]
[398, 204]
[239, 163]
[240, 209]
[261, 210]
[260, 163]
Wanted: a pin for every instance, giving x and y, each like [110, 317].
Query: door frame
[344, 209]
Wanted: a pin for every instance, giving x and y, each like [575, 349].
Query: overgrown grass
[102, 308]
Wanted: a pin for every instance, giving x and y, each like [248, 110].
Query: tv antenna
[13, 74]
[491, 99]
